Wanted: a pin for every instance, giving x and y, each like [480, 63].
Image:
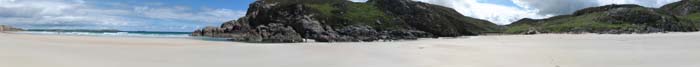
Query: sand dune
[546, 50]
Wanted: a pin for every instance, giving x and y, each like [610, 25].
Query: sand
[545, 50]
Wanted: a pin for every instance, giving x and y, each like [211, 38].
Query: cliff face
[345, 21]
[8, 28]
[685, 10]
[610, 19]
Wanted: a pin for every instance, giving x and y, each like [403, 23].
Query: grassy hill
[614, 19]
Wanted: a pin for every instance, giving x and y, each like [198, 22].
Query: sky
[188, 15]
[128, 15]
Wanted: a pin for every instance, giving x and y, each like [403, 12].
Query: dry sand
[546, 50]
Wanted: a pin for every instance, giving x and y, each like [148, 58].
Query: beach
[542, 50]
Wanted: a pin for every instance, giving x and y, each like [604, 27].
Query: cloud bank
[79, 14]
[558, 7]
[498, 14]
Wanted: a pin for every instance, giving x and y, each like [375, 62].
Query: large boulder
[275, 32]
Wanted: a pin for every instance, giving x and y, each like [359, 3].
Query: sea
[117, 33]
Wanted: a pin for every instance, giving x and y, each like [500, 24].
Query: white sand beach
[545, 50]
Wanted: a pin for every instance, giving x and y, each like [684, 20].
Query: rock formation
[8, 28]
[684, 7]
[344, 21]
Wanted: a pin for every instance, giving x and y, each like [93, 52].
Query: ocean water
[116, 33]
[111, 33]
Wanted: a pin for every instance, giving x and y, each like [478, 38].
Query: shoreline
[204, 38]
[542, 50]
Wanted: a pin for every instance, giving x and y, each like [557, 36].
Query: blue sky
[188, 15]
[228, 4]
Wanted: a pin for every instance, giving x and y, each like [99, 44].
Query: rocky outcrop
[684, 7]
[604, 8]
[9, 28]
[345, 21]
[651, 18]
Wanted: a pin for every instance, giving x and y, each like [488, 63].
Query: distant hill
[616, 19]
[345, 21]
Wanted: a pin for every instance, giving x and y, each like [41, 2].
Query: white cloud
[52, 12]
[498, 14]
[554, 7]
[78, 13]
[559, 7]
[184, 13]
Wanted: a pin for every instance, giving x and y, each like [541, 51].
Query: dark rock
[407, 34]
[360, 33]
[278, 33]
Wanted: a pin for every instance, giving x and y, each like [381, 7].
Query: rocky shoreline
[9, 28]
